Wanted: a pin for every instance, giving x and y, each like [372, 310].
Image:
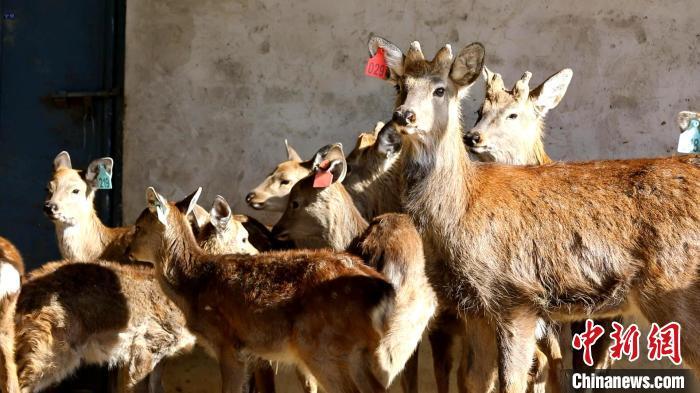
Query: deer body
[11, 272]
[274, 305]
[563, 241]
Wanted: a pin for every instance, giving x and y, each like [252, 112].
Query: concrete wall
[213, 87]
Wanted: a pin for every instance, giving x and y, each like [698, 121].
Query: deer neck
[343, 225]
[84, 241]
[437, 179]
[376, 192]
[179, 257]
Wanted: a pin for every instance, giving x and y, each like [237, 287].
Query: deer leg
[481, 357]
[233, 371]
[8, 369]
[550, 346]
[441, 340]
[409, 375]
[516, 348]
[155, 379]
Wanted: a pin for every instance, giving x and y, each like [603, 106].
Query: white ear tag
[689, 141]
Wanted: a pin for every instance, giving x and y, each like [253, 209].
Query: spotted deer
[69, 204]
[325, 216]
[325, 312]
[11, 272]
[564, 241]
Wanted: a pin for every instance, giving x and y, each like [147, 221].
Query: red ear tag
[376, 66]
[323, 179]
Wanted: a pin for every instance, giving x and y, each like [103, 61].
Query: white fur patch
[9, 280]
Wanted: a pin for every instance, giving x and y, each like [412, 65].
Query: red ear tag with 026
[376, 66]
[323, 177]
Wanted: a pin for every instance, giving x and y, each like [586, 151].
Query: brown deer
[73, 313]
[325, 312]
[563, 241]
[510, 130]
[69, 204]
[325, 216]
[11, 272]
[224, 233]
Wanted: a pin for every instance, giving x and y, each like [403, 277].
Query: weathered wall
[213, 87]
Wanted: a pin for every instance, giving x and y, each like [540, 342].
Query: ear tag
[689, 141]
[376, 65]
[323, 177]
[104, 179]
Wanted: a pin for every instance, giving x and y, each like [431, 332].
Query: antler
[494, 84]
[414, 53]
[444, 56]
[521, 90]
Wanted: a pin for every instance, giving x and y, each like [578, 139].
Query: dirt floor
[198, 373]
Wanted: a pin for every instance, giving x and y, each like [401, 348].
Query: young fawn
[564, 241]
[325, 312]
[11, 272]
[69, 204]
[325, 216]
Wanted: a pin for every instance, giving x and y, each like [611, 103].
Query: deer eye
[439, 92]
[76, 191]
[295, 205]
[513, 116]
[397, 87]
[245, 240]
[285, 182]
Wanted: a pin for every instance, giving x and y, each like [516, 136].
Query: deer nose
[404, 117]
[473, 138]
[249, 197]
[50, 208]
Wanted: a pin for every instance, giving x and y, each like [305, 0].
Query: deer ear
[157, 205]
[198, 218]
[393, 56]
[388, 141]
[94, 169]
[62, 160]
[338, 168]
[548, 95]
[292, 154]
[378, 127]
[684, 118]
[328, 153]
[186, 205]
[220, 213]
[468, 64]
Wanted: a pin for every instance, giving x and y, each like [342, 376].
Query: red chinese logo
[587, 339]
[625, 341]
[665, 342]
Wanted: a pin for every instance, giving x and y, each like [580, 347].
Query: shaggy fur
[560, 241]
[69, 314]
[390, 244]
[11, 272]
[323, 311]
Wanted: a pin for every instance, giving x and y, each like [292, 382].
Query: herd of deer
[403, 236]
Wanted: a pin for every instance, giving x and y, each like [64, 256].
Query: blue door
[61, 76]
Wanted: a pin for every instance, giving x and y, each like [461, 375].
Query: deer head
[429, 92]
[69, 194]
[510, 124]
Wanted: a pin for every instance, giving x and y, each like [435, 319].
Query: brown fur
[293, 306]
[563, 241]
[70, 314]
[8, 369]
[81, 234]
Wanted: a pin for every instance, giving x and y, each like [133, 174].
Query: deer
[562, 241]
[684, 118]
[510, 130]
[11, 273]
[70, 205]
[325, 216]
[324, 311]
[370, 180]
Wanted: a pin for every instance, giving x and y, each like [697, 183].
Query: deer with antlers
[563, 241]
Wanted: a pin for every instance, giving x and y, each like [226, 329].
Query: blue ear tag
[104, 179]
[689, 141]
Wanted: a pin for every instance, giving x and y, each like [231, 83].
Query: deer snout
[255, 205]
[404, 117]
[50, 208]
[473, 138]
[280, 233]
